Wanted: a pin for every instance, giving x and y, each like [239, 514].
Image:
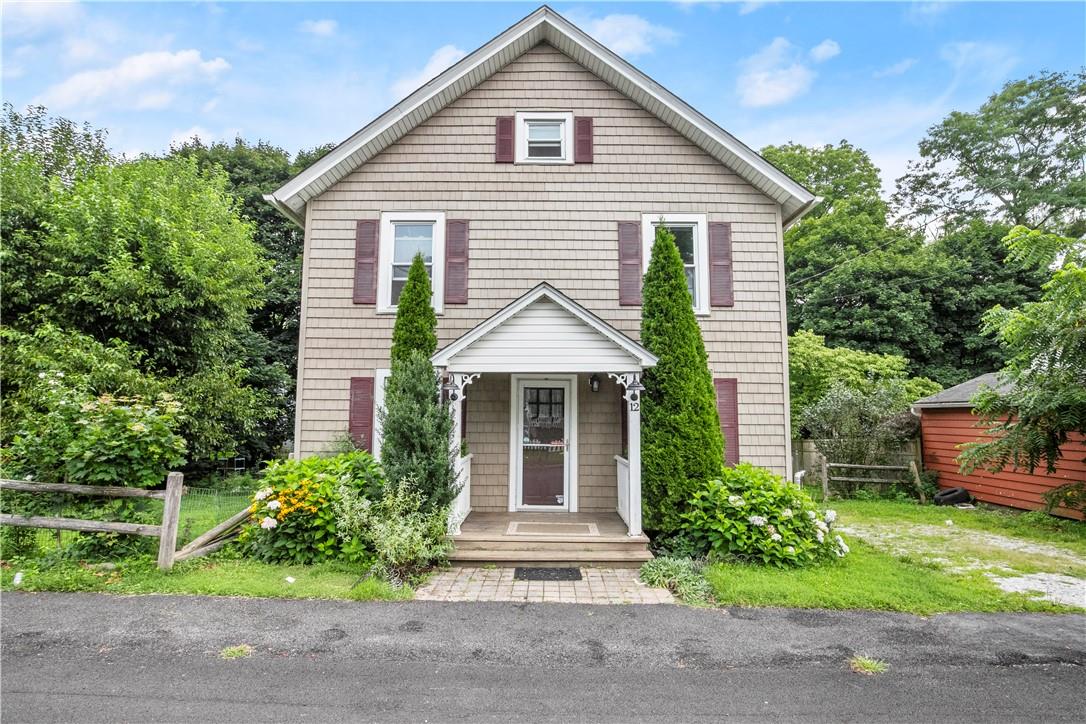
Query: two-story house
[531, 176]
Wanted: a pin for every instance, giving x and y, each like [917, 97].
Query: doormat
[537, 527]
[546, 574]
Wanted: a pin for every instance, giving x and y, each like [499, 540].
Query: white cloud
[825, 50]
[628, 35]
[209, 105]
[25, 19]
[897, 68]
[746, 8]
[773, 75]
[925, 12]
[136, 81]
[987, 61]
[81, 50]
[180, 138]
[154, 101]
[442, 58]
[320, 28]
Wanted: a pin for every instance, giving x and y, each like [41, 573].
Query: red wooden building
[947, 422]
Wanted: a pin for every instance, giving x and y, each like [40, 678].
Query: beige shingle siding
[544, 223]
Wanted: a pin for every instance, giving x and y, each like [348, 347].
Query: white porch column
[455, 388]
[631, 381]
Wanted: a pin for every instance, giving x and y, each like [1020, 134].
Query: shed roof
[543, 25]
[960, 395]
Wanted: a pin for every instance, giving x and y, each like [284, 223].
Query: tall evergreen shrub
[416, 323]
[681, 444]
[416, 428]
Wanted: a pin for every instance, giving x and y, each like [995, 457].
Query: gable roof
[543, 25]
[960, 395]
[544, 291]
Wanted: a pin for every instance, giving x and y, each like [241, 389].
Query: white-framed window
[404, 234]
[691, 236]
[380, 379]
[544, 137]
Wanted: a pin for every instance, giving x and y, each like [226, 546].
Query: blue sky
[301, 74]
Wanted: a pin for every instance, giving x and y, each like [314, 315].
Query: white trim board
[543, 25]
[700, 222]
[385, 257]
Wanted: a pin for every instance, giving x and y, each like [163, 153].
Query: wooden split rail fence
[827, 478]
[166, 533]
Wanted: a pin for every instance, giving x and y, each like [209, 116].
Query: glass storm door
[544, 436]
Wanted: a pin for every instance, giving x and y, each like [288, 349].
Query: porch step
[632, 558]
[547, 544]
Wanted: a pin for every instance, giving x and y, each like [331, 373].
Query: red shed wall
[942, 431]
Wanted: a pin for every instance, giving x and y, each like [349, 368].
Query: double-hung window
[403, 235]
[544, 137]
[690, 231]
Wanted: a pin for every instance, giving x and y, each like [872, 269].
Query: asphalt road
[94, 658]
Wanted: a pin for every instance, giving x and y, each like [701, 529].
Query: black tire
[952, 496]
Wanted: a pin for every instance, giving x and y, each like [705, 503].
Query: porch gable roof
[591, 345]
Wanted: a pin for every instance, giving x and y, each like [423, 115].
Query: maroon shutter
[721, 280]
[582, 139]
[727, 408]
[365, 262]
[629, 263]
[503, 139]
[360, 421]
[456, 262]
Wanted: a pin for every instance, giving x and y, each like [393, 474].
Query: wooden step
[507, 544]
[632, 558]
[539, 538]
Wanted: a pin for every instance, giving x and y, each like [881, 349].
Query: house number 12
[635, 406]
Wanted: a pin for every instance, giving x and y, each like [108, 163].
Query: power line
[846, 261]
[913, 281]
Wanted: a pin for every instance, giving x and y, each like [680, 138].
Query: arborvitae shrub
[416, 323]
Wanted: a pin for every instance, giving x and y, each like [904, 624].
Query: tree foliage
[1017, 159]
[416, 431]
[1045, 397]
[681, 443]
[416, 322]
[813, 368]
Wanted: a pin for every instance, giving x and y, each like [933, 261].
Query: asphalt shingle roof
[959, 395]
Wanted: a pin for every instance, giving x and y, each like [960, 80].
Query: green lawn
[865, 579]
[205, 576]
[916, 563]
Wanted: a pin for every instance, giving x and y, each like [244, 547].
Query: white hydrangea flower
[822, 527]
[757, 520]
[736, 501]
[262, 494]
[268, 523]
[41, 375]
[274, 505]
[790, 549]
[775, 537]
[60, 374]
[786, 513]
[811, 514]
[820, 536]
[831, 515]
[842, 548]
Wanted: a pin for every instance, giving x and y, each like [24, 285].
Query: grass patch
[682, 576]
[865, 579]
[866, 666]
[1037, 527]
[241, 651]
[207, 577]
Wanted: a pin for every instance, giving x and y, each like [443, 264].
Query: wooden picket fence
[827, 478]
[166, 533]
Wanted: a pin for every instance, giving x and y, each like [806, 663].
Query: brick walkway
[597, 585]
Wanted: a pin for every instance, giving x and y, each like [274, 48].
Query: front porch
[548, 539]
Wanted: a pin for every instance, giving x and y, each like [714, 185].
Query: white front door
[543, 447]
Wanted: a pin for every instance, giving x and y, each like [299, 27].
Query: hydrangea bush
[292, 518]
[751, 514]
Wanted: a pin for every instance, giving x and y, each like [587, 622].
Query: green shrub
[416, 323]
[681, 442]
[753, 515]
[416, 428]
[405, 535]
[684, 577]
[293, 517]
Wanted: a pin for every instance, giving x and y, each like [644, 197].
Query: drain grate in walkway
[547, 574]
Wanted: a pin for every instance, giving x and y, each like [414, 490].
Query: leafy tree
[813, 368]
[1017, 159]
[1045, 376]
[416, 429]
[416, 322]
[986, 278]
[682, 446]
[841, 173]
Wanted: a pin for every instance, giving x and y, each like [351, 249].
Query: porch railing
[462, 504]
[623, 488]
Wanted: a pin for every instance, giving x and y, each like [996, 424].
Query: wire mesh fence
[201, 510]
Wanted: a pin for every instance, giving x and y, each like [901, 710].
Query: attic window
[544, 137]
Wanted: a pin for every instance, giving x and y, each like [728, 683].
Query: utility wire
[846, 261]
[899, 287]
